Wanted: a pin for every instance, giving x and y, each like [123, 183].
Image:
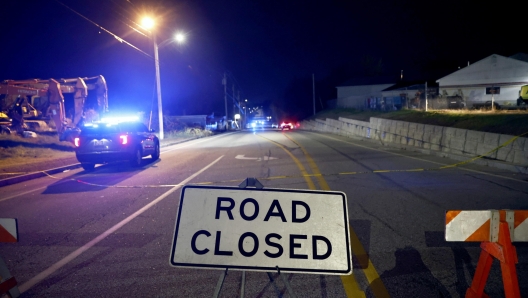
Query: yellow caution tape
[304, 175]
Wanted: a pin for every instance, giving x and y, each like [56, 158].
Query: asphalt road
[108, 233]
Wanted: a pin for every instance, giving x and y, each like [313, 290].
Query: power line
[105, 30]
[126, 18]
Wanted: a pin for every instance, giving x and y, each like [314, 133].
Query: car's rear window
[103, 128]
[100, 129]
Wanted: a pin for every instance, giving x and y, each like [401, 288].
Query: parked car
[100, 143]
[455, 102]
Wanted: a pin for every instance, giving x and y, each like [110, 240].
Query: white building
[410, 95]
[362, 93]
[495, 76]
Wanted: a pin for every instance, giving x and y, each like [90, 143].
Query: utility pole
[240, 110]
[158, 86]
[234, 105]
[492, 101]
[238, 100]
[313, 88]
[224, 82]
[426, 96]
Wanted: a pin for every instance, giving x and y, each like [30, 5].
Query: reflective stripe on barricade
[8, 230]
[483, 225]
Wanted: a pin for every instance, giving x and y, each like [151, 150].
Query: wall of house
[356, 96]
[493, 71]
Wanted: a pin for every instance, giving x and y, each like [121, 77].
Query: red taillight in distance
[77, 142]
[123, 139]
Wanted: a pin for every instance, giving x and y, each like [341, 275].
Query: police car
[115, 140]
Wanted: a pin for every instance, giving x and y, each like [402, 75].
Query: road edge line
[50, 270]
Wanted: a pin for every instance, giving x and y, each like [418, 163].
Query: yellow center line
[313, 166]
[305, 174]
[349, 281]
[377, 286]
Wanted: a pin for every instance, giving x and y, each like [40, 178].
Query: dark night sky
[269, 48]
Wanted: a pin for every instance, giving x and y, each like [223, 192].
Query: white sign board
[252, 229]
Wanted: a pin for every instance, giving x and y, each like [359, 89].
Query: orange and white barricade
[8, 233]
[496, 229]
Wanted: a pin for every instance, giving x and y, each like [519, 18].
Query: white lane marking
[44, 274]
[433, 162]
[242, 156]
[21, 194]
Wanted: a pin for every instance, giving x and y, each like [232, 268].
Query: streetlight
[149, 23]
[179, 37]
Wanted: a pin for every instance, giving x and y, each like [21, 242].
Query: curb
[30, 176]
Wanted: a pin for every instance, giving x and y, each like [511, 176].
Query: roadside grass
[16, 150]
[514, 122]
[41, 141]
[19, 155]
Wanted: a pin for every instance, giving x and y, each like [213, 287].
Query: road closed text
[258, 229]
[273, 244]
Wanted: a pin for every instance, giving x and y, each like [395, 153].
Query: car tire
[136, 158]
[88, 166]
[156, 154]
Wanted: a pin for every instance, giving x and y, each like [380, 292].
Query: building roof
[411, 85]
[362, 81]
[494, 69]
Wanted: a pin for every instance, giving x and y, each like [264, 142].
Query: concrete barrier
[490, 142]
[453, 140]
[445, 139]
[473, 138]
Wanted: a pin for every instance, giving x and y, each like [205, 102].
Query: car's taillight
[123, 139]
[77, 142]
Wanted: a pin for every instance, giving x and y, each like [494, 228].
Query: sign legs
[220, 284]
[250, 182]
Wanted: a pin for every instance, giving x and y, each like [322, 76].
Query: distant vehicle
[104, 142]
[274, 125]
[286, 125]
[455, 102]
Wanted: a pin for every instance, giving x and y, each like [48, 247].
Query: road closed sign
[252, 229]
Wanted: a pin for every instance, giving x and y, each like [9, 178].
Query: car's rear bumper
[102, 157]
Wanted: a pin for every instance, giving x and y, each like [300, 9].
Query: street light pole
[158, 86]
